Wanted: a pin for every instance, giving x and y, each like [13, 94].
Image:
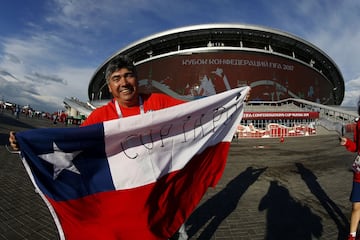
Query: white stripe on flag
[145, 147]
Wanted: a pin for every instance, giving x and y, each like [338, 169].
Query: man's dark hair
[117, 63]
[358, 106]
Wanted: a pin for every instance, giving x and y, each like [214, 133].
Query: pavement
[296, 189]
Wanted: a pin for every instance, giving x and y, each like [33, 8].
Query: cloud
[10, 77]
[12, 58]
[17, 91]
[46, 96]
[352, 94]
[42, 75]
[41, 78]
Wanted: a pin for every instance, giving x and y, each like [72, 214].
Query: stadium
[202, 60]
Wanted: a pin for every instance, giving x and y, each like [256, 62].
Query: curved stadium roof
[234, 37]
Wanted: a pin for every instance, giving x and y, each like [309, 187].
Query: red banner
[280, 115]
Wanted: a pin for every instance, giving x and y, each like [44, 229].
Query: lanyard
[118, 110]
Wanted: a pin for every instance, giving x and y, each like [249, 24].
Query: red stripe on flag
[154, 211]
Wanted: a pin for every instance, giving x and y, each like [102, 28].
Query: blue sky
[50, 49]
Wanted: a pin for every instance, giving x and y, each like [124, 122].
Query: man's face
[123, 86]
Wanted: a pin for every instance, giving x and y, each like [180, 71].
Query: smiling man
[122, 82]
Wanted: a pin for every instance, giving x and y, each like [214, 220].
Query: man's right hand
[13, 143]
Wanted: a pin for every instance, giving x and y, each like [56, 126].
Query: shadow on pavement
[330, 206]
[287, 218]
[220, 206]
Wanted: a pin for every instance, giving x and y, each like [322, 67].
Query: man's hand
[12, 140]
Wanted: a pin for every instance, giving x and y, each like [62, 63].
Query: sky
[50, 49]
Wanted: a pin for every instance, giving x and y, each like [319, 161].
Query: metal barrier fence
[330, 118]
[274, 130]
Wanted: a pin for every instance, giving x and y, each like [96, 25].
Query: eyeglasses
[116, 79]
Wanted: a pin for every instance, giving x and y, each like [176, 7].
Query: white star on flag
[61, 160]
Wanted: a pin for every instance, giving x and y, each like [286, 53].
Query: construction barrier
[274, 130]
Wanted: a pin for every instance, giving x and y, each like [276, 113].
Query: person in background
[354, 146]
[121, 79]
[17, 112]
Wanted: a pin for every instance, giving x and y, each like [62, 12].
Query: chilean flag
[137, 177]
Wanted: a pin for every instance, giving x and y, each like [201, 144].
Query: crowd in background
[26, 111]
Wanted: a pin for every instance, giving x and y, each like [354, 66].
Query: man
[122, 82]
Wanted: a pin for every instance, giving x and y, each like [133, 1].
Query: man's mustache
[128, 87]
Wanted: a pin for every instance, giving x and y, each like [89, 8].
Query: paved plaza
[296, 189]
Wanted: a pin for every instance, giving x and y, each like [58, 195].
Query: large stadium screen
[271, 77]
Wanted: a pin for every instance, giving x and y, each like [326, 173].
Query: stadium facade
[202, 60]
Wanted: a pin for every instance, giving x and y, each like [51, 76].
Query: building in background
[202, 60]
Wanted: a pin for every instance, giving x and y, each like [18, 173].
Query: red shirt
[354, 146]
[151, 102]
